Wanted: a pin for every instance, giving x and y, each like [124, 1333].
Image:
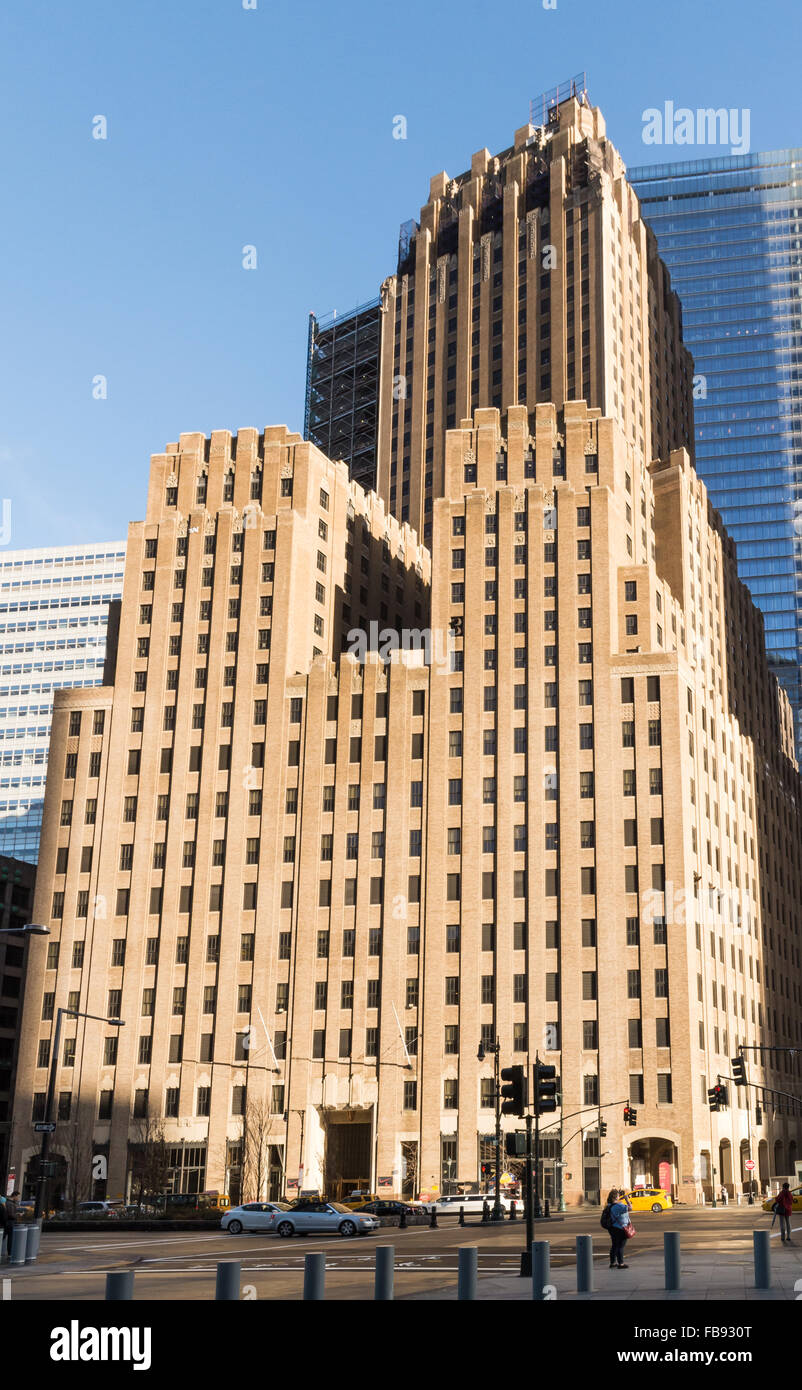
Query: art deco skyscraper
[313, 880]
[529, 278]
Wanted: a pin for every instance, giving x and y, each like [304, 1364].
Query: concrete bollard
[433, 1219]
[402, 1220]
[762, 1249]
[671, 1260]
[541, 1269]
[34, 1237]
[485, 1213]
[513, 1211]
[462, 1216]
[383, 1282]
[120, 1286]
[226, 1288]
[466, 1272]
[584, 1264]
[314, 1277]
[19, 1245]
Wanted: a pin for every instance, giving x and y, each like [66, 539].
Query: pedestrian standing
[615, 1219]
[11, 1210]
[2, 1225]
[785, 1205]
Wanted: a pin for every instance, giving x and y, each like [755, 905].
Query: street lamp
[495, 1048]
[30, 929]
[49, 1122]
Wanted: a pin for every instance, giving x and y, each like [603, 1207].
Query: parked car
[473, 1202]
[650, 1199]
[358, 1199]
[251, 1216]
[307, 1215]
[381, 1206]
[105, 1209]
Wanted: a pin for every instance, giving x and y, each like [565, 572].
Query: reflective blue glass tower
[730, 231]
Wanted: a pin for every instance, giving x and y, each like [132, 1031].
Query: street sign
[45, 1127]
[749, 1164]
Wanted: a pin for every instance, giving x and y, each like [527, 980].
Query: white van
[471, 1202]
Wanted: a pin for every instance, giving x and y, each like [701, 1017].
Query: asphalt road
[181, 1265]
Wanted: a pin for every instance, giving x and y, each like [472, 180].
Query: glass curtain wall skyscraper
[730, 231]
[54, 612]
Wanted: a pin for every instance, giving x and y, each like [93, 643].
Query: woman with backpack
[783, 1207]
[615, 1219]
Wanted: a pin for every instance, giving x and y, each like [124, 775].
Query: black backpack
[606, 1219]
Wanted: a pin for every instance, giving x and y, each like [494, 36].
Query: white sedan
[308, 1215]
[252, 1216]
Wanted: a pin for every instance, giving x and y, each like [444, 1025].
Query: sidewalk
[706, 1276]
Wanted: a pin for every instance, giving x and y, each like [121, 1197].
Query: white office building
[54, 612]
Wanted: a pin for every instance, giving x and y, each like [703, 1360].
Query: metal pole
[671, 1259]
[584, 1264]
[314, 1277]
[227, 1282]
[468, 1263]
[526, 1256]
[762, 1249]
[537, 1164]
[498, 1212]
[41, 1184]
[383, 1285]
[541, 1269]
[562, 1160]
[120, 1286]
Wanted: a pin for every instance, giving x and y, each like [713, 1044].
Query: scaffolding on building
[342, 387]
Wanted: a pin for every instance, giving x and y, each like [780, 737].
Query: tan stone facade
[311, 882]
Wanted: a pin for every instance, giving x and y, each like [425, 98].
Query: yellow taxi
[796, 1193]
[650, 1199]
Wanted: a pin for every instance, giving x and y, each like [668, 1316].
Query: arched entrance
[725, 1165]
[763, 1164]
[653, 1163]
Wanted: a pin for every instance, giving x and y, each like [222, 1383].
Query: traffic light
[717, 1097]
[513, 1095]
[738, 1070]
[602, 1128]
[515, 1144]
[630, 1115]
[545, 1088]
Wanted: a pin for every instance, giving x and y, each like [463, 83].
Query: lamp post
[484, 1048]
[41, 1185]
[30, 929]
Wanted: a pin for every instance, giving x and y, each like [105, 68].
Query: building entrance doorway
[653, 1163]
[347, 1162]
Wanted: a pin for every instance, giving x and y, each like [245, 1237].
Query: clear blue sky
[272, 127]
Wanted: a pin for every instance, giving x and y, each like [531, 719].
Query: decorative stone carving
[531, 234]
[172, 481]
[486, 245]
[442, 279]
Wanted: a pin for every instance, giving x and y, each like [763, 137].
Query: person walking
[785, 1205]
[617, 1213]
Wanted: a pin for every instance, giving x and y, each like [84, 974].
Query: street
[181, 1265]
